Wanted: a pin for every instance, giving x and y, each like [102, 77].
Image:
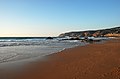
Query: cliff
[111, 32]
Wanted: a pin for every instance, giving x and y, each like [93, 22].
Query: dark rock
[49, 38]
[72, 39]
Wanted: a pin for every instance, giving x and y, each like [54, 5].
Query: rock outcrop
[111, 32]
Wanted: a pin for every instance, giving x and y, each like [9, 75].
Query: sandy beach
[93, 61]
[59, 39]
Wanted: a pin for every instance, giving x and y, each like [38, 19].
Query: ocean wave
[20, 49]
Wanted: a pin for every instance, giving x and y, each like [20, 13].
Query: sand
[93, 61]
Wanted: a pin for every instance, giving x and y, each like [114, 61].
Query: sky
[52, 17]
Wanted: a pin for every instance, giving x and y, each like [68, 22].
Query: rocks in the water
[49, 38]
[73, 38]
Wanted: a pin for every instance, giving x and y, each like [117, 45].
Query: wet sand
[93, 61]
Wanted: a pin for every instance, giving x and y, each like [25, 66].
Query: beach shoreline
[93, 61]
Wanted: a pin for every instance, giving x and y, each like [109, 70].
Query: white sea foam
[21, 49]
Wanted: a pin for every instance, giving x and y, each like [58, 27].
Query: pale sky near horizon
[52, 17]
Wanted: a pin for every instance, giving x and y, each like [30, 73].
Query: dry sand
[94, 61]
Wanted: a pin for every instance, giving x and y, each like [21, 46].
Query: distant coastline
[111, 32]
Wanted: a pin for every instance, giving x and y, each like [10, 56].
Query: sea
[13, 49]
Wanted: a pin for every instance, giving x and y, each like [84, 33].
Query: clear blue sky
[52, 17]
